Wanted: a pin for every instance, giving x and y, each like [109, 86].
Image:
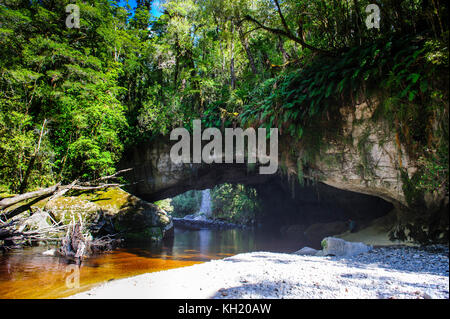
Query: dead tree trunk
[244, 43]
[75, 244]
[232, 71]
[24, 183]
[10, 201]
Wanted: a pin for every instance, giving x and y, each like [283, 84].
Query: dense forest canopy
[73, 99]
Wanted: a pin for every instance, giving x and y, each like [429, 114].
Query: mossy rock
[112, 211]
[324, 244]
[65, 209]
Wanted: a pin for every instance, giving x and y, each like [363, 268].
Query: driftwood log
[10, 233]
[77, 243]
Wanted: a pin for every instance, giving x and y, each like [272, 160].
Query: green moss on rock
[112, 211]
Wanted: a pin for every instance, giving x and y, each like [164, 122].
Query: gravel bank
[394, 272]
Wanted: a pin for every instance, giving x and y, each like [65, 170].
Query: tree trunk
[10, 201]
[24, 183]
[244, 43]
[232, 72]
[59, 190]
[19, 210]
[286, 56]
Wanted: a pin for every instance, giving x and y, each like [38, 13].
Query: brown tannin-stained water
[27, 273]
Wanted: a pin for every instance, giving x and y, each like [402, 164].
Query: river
[27, 273]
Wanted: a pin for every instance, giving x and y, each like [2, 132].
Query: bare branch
[115, 175]
[283, 20]
[89, 188]
[286, 32]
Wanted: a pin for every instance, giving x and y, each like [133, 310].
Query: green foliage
[408, 73]
[292, 100]
[165, 204]
[124, 76]
[413, 194]
[323, 244]
[432, 176]
[235, 203]
[52, 73]
[186, 204]
[434, 166]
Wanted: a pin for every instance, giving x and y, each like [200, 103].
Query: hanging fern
[291, 100]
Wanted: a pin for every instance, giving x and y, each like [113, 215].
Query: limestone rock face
[113, 211]
[339, 247]
[365, 155]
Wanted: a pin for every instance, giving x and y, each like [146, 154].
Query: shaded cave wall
[286, 202]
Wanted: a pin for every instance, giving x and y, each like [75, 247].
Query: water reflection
[202, 245]
[28, 273]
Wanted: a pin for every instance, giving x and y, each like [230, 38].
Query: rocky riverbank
[385, 272]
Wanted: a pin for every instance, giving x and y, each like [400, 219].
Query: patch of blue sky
[157, 9]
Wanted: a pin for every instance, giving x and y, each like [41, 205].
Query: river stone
[339, 247]
[307, 251]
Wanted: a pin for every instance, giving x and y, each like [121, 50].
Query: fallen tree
[10, 201]
[9, 232]
[73, 243]
[55, 191]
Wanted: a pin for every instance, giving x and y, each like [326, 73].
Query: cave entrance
[274, 214]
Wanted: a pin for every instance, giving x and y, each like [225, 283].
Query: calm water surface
[27, 273]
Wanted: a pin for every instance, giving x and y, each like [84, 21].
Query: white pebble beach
[382, 273]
